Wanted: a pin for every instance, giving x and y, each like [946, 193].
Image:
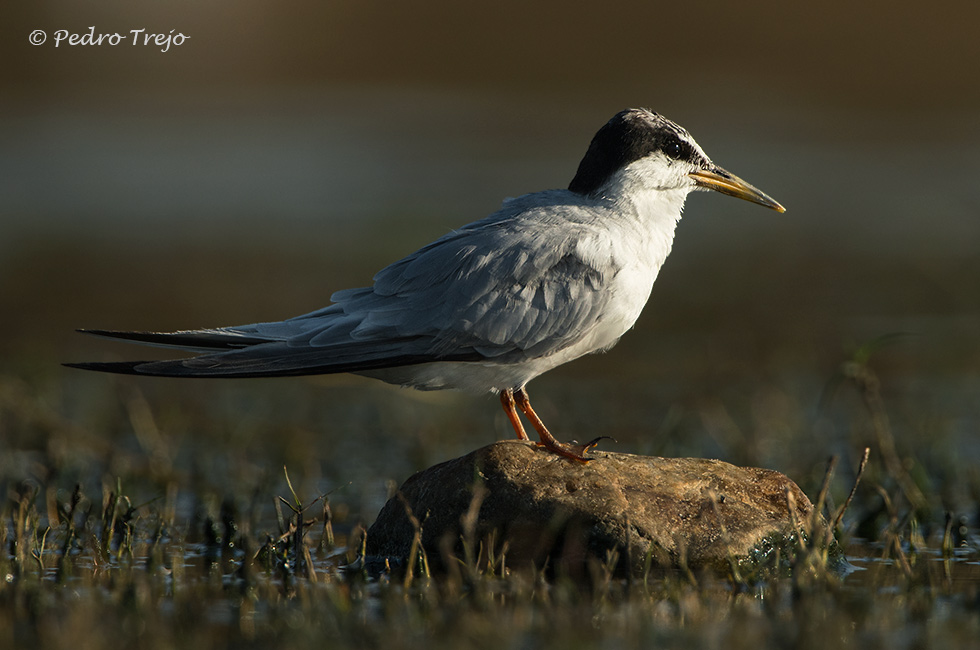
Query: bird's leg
[548, 441]
[507, 400]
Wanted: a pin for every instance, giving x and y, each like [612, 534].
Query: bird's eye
[672, 148]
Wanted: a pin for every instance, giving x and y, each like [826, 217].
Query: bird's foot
[572, 449]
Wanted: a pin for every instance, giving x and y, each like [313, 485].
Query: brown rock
[655, 513]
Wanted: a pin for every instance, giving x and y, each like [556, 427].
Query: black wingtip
[136, 337]
[203, 340]
[117, 367]
[139, 337]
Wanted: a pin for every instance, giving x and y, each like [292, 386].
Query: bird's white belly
[468, 376]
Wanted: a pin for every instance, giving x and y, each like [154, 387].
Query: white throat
[652, 192]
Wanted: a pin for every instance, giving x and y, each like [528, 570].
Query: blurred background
[287, 150]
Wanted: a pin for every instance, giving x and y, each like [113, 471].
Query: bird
[549, 277]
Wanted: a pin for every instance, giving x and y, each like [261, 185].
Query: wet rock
[636, 513]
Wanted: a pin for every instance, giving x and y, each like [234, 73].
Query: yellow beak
[722, 181]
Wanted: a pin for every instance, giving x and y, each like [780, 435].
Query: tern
[550, 277]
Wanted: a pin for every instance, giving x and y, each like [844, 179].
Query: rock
[656, 514]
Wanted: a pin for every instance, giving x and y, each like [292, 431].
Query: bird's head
[638, 146]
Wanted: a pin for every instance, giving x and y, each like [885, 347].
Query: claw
[573, 452]
[513, 399]
[573, 449]
[595, 441]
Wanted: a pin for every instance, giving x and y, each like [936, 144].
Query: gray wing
[505, 291]
[516, 285]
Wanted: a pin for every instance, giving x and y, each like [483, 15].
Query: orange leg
[507, 399]
[548, 441]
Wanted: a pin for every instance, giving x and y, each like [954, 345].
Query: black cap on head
[629, 136]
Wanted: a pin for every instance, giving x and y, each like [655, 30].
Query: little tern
[549, 277]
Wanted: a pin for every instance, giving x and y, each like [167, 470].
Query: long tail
[200, 340]
[234, 354]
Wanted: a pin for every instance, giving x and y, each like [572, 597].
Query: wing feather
[528, 281]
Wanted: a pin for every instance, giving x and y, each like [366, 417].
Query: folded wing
[496, 290]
